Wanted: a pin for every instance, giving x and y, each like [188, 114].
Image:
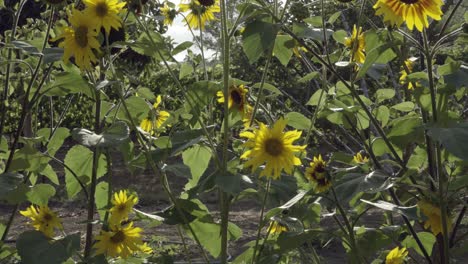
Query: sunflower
[403, 74]
[201, 11]
[434, 218]
[357, 45]
[413, 12]
[43, 219]
[155, 119]
[79, 39]
[273, 147]
[120, 241]
[396, 256]
[361, 158]
[316, 172]
[169, 14]
[105, 13]
[122, 206]
[277, 228]
[238, 101]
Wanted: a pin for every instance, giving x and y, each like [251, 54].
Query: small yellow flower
[155, 119]
[43, 219]
[316, 173]
[122, 206]
[272, 147]
[238, 102]
[120, 241]
[201, 11]
[403, 74]
[169, 14]
[434, 221]
[396, 256]
[80, 39]
[413, 12]
[105, 13]
[277, 228]
[357, 45]
[360, 158]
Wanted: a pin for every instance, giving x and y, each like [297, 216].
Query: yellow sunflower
[357, 45]
[316, 173]
[79, 39]
[120, 241]
[273, 147]
[403, 74]
[277, 228]
[361, 158]
[413, 12]
[169, 14]
[43, 219]
[105, 13]
[238, 101]
[122, 206]
[434, 217]
[155, 119]
[396, 256]
[201, 11]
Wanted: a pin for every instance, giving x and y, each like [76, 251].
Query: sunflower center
[206, 2]
[118, 237]
[121, 207]
[81, 36]
[274, 147]
[409, 2]
[236, 97]
[47, 217]
[101, 9]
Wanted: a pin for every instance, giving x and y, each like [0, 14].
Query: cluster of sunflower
[200, 12]
[80, 38]
[121, 239]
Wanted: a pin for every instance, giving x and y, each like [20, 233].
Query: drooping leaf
[113, 136]
[283, 48]
[411, 212]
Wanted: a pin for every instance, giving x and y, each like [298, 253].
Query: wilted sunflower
[120, 241]
[155, 119]
[105, 13]
[169, 14]
[403, 74]
[272, 147]
[316, 172]
[396, 256]
[357, 45]
[79, 39]
[238, 101]
[43, 219]
[434, 217]
[413, 12]
[122, 206]
[201, 11]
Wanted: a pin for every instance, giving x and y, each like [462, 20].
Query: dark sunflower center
[236, 97]
[81, 36]
[274, 147]
[121, 207]
[409, 2]
[118, 237]
[101, 9]
[47, 217]
[207, 2]
[320, 168]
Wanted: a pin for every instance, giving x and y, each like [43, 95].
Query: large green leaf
[258, 37]
[101, 198]
[40, 194]
[353, 183]
[66, 83]
[283, 48]
[426, 238]
[454, 138]
[113, 136]
[30, 159]
[411, 212]
[34, 248]
[80, 160]
[197, 159]
[56, 141]
[298, 121]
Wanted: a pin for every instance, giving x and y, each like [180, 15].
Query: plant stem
[260, 90]
[260, 221]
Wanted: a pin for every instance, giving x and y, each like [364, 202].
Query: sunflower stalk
[261, 220]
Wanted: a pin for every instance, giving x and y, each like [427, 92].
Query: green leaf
[282, 49]
[404, 106]
[34, 248]
[28, 158]
[378, 50]
[181, 47]
[52, 55]
[298, 121]
[101, 195]
[448, 68]
[353, 183]
[113, 136]
[66, 83]
[382, 114]
[151, 46]
[146, 93]
[405, 130]
[411, 212]
[137, 107]
[304, 31]
[308, 77]
[258, 37]
[340, 36]
[317, 98]
[454, 138]
[384, 94]
[9, 182]
[54, 143]
[185, 70]
[417, 76]
[426, 238]
[40, 194]
[28, 48]
[197, 159]
[80, 160]
[50, 173]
